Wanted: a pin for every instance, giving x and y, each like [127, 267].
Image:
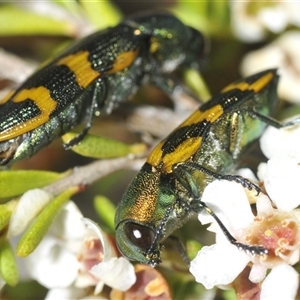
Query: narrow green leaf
[8, 264]
[25, 290]
[106, 210]
[17, 21]
[210, 17]
[196, 82]
[109, 13]
[35, 233]
[101, 147]
[16, 182]
[6, 211]
[71, 6]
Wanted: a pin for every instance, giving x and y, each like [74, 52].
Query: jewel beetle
[167, 190]
[93, 76]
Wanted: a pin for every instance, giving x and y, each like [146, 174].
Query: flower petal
[282, 181]
[281, 283]
[51, 265]
[229, 202]
[267, 17]
[29, 205]
[281, 54]
[257, 273]
[289, 141]
[245, 26]
[68, 226]
[218, 265]
[65, 293]
[263, 205]
[261, 171]
[117, 273]
[107, 252]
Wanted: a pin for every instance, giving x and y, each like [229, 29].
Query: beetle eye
[139, 235]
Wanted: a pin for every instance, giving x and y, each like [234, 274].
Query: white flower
[73, 254]
[282, 54]
[282, 171]
[275, 229]
[63, 293]
[251, 20]
[281, 283]
[116, 272]
[281, 142]
[28, 207]
[221, 263]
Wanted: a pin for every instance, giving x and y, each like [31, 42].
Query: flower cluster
[253, 22]
[76, 259]
[276, 225]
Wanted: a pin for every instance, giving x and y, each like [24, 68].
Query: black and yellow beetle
[168, 188]
[93, 76]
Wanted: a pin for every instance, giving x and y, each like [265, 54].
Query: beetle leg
[184, 173]
[176, 90]
[98, 92]
[251, 249]
[273, 122]
[181, 249]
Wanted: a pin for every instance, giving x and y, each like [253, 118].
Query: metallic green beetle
[168, 188]
[92, 76]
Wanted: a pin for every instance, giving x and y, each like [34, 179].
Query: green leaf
[16, 182]
[211, 17]
[106, 210]
[289, 112]
[229, 294]
[6, 211]
[109, 13]
[196, 82]
[25, 290]
[102, 147]
[35, 233]
[71, 6]
[192, 248]
[8, 264]
[17, 21]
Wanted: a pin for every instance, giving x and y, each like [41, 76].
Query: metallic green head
[171, 42]
[144, 216]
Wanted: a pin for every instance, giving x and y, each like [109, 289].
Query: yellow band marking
[79, 64]
[155, 156]
[182, 153]
[123, 61]
[189, 146]
[211, 115]
[41, 97]
[256, 86]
